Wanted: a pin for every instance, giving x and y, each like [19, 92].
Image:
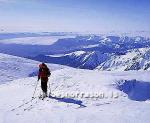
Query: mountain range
[100, 52]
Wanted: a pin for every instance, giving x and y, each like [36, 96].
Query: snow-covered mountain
[82, 51]
[104, 44]
[137, 59]
[77, 59]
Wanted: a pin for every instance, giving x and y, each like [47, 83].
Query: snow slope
[117, 109]
[137, 59]
[13, 67]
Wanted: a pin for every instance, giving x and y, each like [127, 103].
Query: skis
[30, 106]
[27, 106]
[22, 105]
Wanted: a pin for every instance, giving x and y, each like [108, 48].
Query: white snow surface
[91, 46]
[13, 67]
[68, 110]
[76, 53]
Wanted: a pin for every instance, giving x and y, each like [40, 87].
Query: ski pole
[35, 90]
[49, 89]
[27, 101]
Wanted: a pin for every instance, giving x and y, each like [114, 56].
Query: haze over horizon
[75, 15]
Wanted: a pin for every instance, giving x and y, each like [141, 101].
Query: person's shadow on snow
[69, 100]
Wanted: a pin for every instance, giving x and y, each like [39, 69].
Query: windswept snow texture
[120, 109]
[13, 67]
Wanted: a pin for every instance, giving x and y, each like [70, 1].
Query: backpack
[44, 70]
[48, 72]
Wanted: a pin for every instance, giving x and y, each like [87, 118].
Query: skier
[43, 74]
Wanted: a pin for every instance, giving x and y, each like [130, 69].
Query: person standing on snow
[43, 74]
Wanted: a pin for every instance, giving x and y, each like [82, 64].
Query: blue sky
[75, 15]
